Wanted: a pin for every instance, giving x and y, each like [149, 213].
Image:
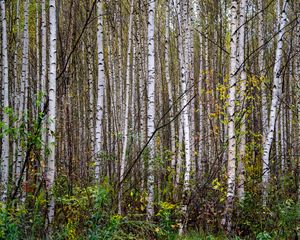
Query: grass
[200, 236]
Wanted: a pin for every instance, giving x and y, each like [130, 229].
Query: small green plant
[167, 222]
[263, 236]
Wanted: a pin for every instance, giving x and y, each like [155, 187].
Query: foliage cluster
[88, 213]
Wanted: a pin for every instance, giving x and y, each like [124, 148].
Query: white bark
[201, 127]
[226, 221]
[133, 89]
[277, 148]
[185, 114]
[184, 66]
[91, 100]
[126, 120]
[190, 82]
[100, 91]
[151, 106]
[51, 168]
[243, 77]
[261, 64]
[179, 155]
[113, 81]
[5, 94]
[276, 94]
[282, 138]
[142, 96]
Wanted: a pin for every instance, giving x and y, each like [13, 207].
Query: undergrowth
[89, 213]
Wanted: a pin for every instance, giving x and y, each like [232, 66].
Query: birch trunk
[179, 155]
[261, 64]
[276, 94]
[277, 148]
[100, 91]
[142, 96]
[243, 77]
[201, 127]
[226, 221]
[91, 101]
[208, 147]
[151, 106]
[5, 95]
[184, 49]
[282, 138]
[126, 120]
[52, 108]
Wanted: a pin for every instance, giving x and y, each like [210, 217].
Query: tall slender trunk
[282, 138]
[200, 167]
[184, 66]
[261, 64]
[15, 93]
[91, 99]
[169, 84]
[276, 95]
[207, 97]
[100, 91]
[126, 120]
[151, 106]
[243, 77]
[51, 165]
[44, 70]
[226, 221]
[142, 96]
[5, 95]
[23, 89]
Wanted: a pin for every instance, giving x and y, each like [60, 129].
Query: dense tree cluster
[149, 117]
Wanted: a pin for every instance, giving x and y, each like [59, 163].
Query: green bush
[279, 220]
[11, 219]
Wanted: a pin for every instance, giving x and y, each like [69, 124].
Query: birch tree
[261, 64]
[127, 95]
[227, 219]
[243, 77]
[201, 115]
[51, 164]
[5, 95]
[169, 84]
[276, 95]
[100, 91]
[151, 106]
[183, 55]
